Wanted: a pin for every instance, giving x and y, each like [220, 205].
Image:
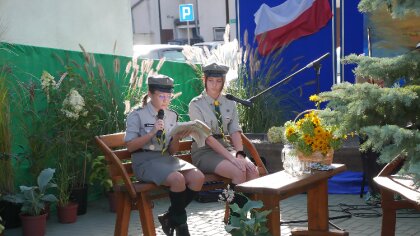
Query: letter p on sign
[186, 12]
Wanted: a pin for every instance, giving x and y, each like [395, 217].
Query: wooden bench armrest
[392, 167]
[116, 162]
[402, 185]
[254, 154]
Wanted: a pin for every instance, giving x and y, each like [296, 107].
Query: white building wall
[64, 24]
[211, 13]
[145, 22]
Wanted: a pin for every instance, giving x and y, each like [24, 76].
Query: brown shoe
[167, 227]
[182, 230]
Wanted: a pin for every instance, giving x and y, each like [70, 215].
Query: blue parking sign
[186, 12]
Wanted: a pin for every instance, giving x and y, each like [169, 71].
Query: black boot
[176, 214]
[182, 230]
[167, 227]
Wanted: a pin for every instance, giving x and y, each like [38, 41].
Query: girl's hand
[250, 166]
[239, 163]
[159, 125]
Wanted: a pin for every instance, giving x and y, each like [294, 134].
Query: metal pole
[188, 32]
[369, 42]
[197, 29]
[160, 22]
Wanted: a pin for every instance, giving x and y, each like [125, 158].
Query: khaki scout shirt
[141, 122]
[202, 108]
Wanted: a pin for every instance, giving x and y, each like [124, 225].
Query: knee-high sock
[177, 212]
[238, 199]
[189, 196]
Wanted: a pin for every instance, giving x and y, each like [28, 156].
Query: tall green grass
[6, 167]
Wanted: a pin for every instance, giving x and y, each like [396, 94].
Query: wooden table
[281, 185]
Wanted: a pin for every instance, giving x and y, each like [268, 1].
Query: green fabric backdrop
[26, 62]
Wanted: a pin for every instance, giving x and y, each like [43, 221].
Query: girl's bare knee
[252, 175]
[176, 180]
[238, 176]
[195, 180]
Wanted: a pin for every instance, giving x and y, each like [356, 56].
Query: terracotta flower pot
[67, 214]
[34, 225]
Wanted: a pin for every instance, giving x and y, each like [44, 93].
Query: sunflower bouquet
[313, 141]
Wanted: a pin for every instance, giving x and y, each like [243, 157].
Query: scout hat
[215, 70]
[161, 83]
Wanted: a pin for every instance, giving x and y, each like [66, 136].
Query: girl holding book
[145, 139]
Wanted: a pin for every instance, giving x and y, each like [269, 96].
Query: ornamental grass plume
[309, 135]
[248, 75]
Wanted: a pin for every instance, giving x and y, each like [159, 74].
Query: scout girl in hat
[220, 156]
[145, 139]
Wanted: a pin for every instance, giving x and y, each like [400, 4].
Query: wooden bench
[131, 191]
[391, 185]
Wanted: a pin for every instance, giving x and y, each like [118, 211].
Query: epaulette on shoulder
[196, 99]
[176, 113]
[137, 108]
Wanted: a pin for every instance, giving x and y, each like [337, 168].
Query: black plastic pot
[80, 195]
[9, 212]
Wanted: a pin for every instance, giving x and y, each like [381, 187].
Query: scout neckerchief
[162, 141]
[219, 119]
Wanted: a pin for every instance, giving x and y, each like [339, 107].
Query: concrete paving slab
[205, 219]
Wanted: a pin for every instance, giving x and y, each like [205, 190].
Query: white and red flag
[288, 21]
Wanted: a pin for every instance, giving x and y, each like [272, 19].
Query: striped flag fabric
[280, 25]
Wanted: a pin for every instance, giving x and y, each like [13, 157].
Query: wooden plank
[113, 140]
[271, 202]
[286, 184]
[318, 206]
[401, 185]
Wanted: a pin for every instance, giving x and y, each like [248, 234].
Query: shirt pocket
[226, 122]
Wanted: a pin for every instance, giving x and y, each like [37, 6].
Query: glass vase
[291, 163]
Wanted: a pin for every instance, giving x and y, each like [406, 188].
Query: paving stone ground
[205, 219]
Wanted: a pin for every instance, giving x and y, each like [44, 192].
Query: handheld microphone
[317, 61]
[160, 115]
[241, 101]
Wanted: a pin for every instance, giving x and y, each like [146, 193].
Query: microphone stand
[276, 84]
[317, 66]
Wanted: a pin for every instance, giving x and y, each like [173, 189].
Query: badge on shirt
[149, 125]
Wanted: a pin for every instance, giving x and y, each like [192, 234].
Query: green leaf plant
[249, 220]
[33, 198]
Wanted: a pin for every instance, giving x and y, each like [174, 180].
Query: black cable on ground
[410, 214]
[348, 210]
[361, 211]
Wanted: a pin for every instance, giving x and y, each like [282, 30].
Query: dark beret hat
[215, 70]
[161, 83]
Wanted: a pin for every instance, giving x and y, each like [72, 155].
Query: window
[218, 33]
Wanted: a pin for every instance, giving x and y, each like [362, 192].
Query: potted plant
[1, 227]
[99, 175]
[248, 220]
[66, 209]
[8, 211]
[313, 140]
[33, 200]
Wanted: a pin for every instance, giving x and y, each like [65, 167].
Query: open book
[199, 131]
